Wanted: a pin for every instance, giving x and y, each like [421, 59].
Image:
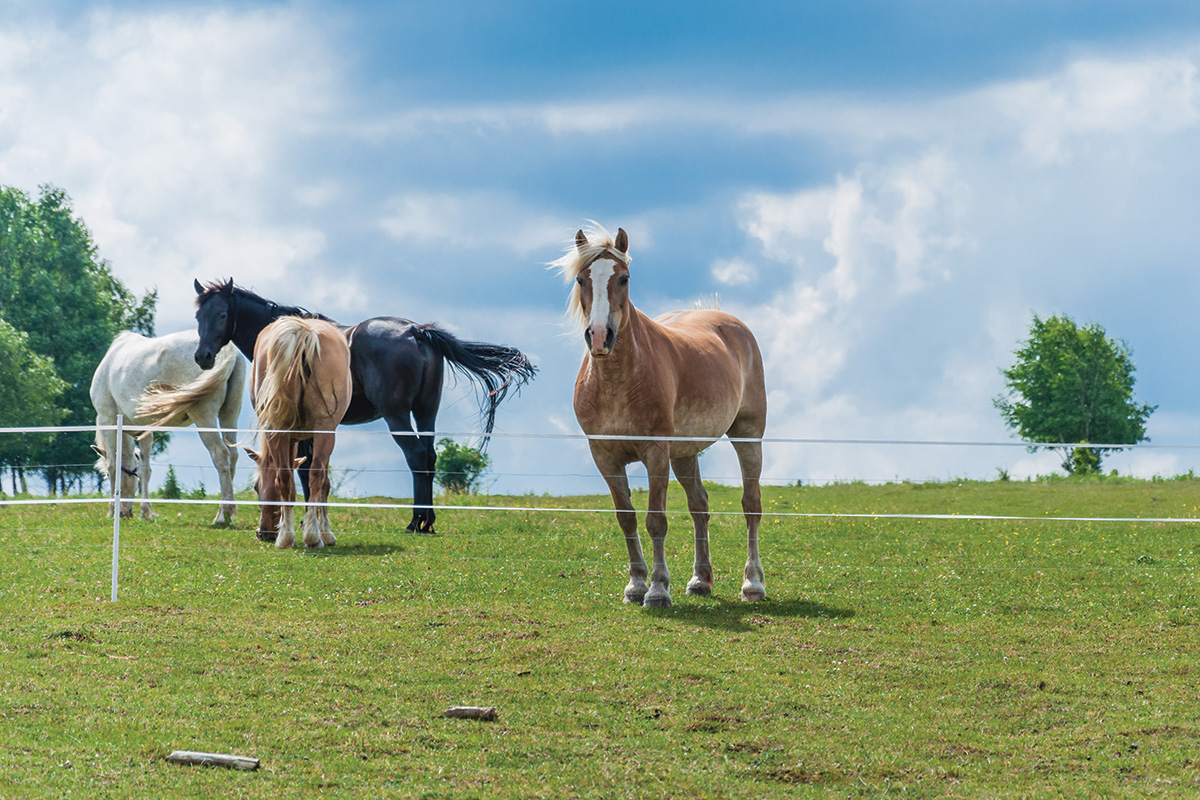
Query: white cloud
[169, 130]
[475, 220]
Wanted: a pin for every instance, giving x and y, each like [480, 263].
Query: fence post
[118, 479]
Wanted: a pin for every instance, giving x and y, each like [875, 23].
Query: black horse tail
[494, 368]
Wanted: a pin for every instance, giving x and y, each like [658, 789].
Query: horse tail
[494, 368]
[167, 404]
[293, 346]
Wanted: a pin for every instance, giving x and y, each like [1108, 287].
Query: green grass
[947, 657]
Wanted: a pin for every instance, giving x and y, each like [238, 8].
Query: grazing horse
[155, 381]
[300, 387]
[695, 375]
[396, 370]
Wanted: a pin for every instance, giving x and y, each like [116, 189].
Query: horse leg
[658, 471]
[618, 486]
[317, 531]
[146, 443]
[418, 452]
[304, 450]
[127, 457]
[285, 490]
[223, 458]
[687, 472]
[750, 458]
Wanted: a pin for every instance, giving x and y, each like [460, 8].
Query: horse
[396, 367]
[300, 388]
[155, 381]
[686, 376]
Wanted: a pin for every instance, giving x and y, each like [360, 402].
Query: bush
[459, 467]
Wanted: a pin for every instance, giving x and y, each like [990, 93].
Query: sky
[885, 191]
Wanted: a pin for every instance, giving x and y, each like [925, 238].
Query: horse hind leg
[224, 458]
[750, 459]
[687, 472]
[317, 530]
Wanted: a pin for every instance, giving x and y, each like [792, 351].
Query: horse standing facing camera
[689, 377]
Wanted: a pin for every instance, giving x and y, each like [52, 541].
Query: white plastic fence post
[119, 475]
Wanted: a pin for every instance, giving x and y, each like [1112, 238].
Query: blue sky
[886, 191]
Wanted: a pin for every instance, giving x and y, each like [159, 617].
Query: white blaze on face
[602, 272]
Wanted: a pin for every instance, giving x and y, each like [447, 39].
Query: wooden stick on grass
[191, 757]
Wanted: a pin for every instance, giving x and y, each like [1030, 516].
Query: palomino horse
[156, 382]
[300, 387]
[688, 376]
[396, 367]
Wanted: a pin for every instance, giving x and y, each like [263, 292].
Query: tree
[55, 289]
[459, 468]
[1072, 385]
[29, 391]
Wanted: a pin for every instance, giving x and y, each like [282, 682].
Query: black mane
[276, 309]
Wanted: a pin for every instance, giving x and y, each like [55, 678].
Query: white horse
[140, 378]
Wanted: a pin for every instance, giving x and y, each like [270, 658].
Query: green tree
[29, 392]
[56, 290]
[459, 468]
[1072, 385]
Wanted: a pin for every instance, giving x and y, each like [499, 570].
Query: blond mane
[575, 259]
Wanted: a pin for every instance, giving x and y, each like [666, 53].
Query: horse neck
[252, 316]
[626, 357]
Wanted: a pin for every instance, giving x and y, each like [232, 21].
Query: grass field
[915, 657]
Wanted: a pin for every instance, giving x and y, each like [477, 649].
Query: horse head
[599, 266]
[216, 319]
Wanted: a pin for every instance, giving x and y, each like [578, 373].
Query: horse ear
[580, 240]
[199, 288]
[622, 242]
[300, 462]
[253, 455]
[99, 451]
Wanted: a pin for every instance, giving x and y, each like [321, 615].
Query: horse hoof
[657, 602]
[754, 595]
[266, 536]
[699, 588]
[634, 599]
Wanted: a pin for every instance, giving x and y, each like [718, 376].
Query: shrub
[459, 467]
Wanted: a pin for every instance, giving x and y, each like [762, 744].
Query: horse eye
[623, 280]
[580, 280]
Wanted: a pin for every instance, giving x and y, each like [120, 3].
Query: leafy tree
[55, 289]
[29, 391]
[459, 468]
[1071, 385]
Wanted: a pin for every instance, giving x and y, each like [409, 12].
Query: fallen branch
[193, 758]
[485, 713]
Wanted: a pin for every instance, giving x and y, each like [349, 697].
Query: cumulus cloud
[170, 131]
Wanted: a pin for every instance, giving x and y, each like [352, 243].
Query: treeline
[60, 308]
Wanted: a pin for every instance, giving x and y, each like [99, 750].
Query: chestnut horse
[687, 376]
[300, 387]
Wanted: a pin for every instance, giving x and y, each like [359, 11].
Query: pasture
[911, 657]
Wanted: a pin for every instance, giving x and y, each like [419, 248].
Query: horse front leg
[687, 472]
[146, 445]
[750, 458]
[657, 470]
[614, 475]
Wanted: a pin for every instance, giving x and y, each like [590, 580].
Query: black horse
[396, 367]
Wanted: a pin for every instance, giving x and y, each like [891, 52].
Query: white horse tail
[166, 404]
[291, 349]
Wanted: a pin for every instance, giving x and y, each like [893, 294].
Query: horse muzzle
[600, 340]
[205, 360]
